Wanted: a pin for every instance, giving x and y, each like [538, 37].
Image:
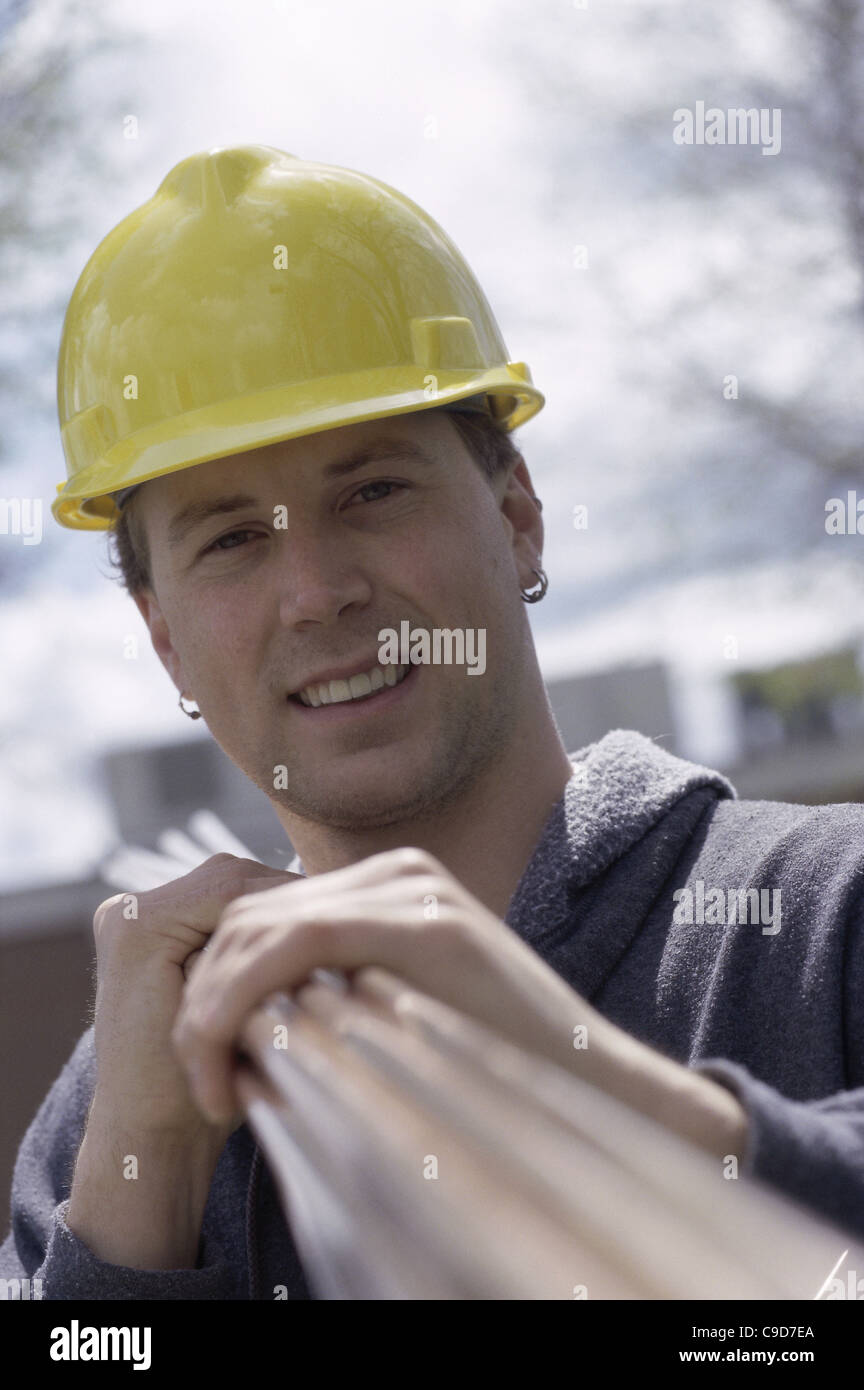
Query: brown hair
[486, 439]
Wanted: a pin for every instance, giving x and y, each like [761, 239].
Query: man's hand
[403, 911]
[143, 953]
[142, 1110]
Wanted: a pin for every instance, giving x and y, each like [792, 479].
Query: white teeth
[336, 692]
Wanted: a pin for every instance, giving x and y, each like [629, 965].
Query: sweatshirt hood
[622, 787]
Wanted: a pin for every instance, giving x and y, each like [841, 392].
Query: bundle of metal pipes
[420, 1156]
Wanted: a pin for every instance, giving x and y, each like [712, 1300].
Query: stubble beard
[470, 738]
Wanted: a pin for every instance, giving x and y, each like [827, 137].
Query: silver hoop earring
[192, 713]
[527, 596]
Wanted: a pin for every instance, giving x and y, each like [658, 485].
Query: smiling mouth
[355, 690]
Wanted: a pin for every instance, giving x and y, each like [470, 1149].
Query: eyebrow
[194, 514]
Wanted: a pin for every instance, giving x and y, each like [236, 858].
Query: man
[275, 515]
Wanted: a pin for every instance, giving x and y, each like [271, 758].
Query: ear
[145, 601]
[522, 517]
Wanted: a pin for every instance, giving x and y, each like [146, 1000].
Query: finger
[392, 866]
[192, 905]
[251, 889]
[305, 928]
[218, 1000]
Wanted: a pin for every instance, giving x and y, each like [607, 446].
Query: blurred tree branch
[711, 262]
[55, 157]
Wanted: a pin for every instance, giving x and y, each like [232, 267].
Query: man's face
[250, 605]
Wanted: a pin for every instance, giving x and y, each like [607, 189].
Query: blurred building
[801, 730]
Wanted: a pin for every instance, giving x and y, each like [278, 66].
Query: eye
[219, 543]
[378, 482]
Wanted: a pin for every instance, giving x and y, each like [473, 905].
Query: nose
[320, 578]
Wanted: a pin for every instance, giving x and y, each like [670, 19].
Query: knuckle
[253, 868]
[429, 884]
[409, 859]
[216, 863]
[106, 909]
[237, 866]
[112, 924]
[424, 898]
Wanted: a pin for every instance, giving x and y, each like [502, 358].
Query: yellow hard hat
[257, 297]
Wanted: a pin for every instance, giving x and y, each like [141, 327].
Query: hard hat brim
[269, 417]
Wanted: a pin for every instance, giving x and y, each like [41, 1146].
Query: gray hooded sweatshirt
[727, 934]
